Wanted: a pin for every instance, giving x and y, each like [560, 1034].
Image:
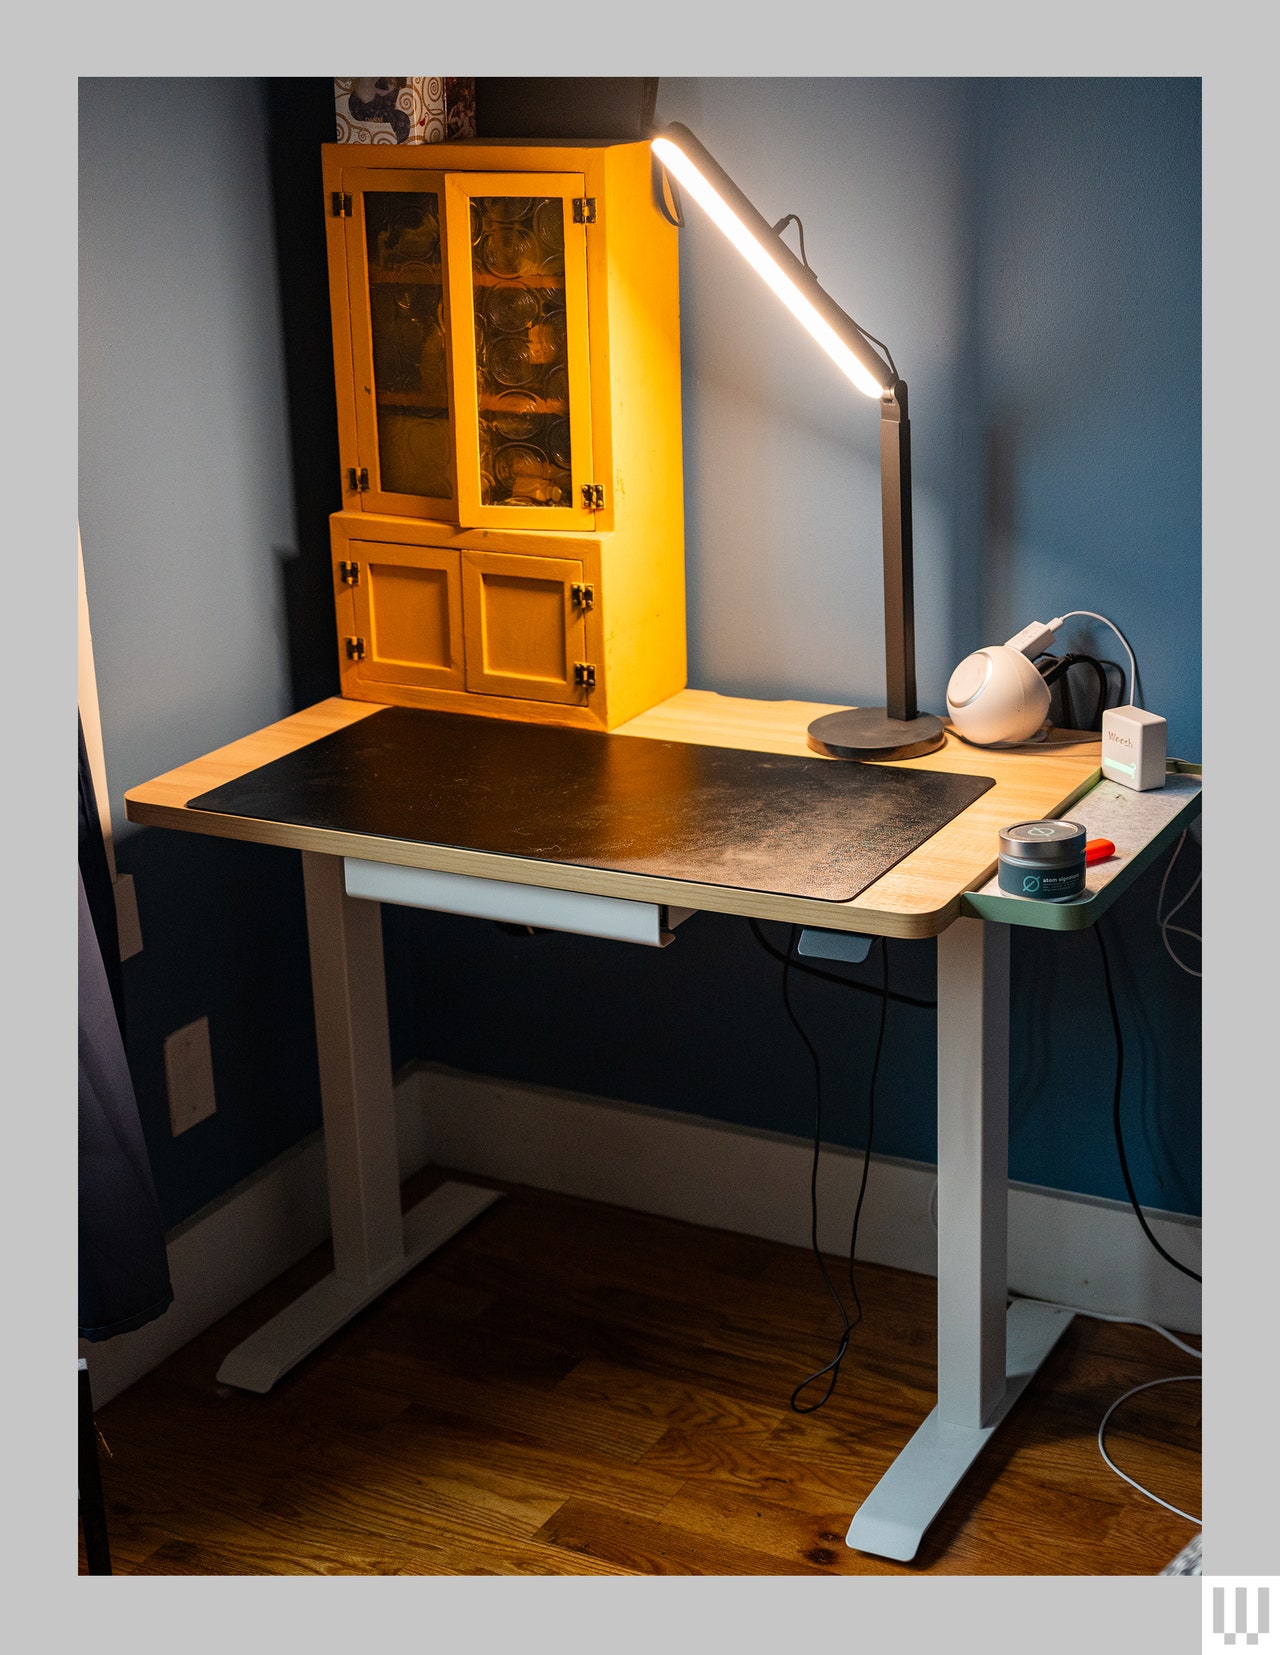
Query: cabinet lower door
[408, 615]
[525, 627]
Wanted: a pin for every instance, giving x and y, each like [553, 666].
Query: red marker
[1098, 850]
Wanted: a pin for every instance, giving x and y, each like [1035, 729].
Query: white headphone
[997, 695]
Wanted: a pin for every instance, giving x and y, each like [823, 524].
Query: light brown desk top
[919, 897]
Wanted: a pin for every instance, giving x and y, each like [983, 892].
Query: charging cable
[1163, 919]
[1173, 1379]
[1033, 638]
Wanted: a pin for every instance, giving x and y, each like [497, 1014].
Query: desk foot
[258, 1361]
[892, 1520]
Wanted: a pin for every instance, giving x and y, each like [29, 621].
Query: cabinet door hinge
[584, 209]
[355, 649]
[583, 594]
[593, 496]
[584, 674]
[349, 574]
[341, 204]
[357, 480]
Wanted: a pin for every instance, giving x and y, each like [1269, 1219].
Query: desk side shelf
[1140, 825]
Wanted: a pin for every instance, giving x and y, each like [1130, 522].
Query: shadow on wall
[1000, 467]
[300, 115]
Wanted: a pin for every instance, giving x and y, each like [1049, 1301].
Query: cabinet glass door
[517, 274]
[399, 342]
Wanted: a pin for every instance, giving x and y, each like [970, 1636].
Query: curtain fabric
[124, 1268]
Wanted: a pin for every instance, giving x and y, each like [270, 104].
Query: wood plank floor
[571, 1389]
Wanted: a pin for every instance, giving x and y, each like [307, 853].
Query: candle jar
[1042, 859]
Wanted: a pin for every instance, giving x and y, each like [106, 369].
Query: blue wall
[1088, 299]
[1029, 250]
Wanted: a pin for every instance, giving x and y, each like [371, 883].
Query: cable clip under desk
[819, 944]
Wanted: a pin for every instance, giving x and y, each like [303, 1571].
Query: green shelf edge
[1086, 910]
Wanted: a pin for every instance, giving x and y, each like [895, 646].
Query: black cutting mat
[772, 822]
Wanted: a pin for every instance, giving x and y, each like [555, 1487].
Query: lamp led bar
[769, 256]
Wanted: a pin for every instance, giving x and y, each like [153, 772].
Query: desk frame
[987, 1350]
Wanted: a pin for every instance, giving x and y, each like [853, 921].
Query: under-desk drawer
[499, 899]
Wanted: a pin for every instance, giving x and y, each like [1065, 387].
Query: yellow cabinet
[506, 353]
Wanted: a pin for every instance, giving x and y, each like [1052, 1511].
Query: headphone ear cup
[997, 695]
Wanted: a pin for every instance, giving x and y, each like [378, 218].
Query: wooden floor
[570, 1389]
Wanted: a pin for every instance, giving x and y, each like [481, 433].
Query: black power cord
[1115, 1111]
[832, 1368]
[885, 994]
[1056, 669]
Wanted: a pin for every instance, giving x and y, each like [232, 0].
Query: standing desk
[988, 1349]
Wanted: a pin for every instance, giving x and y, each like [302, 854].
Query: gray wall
[186, 502]
[1030, 253]
[187, 522]
[782, 455]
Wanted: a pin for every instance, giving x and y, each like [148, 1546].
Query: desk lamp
[898, 731]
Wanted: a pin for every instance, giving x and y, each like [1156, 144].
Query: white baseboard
[234, 1247]
[1074, 1249]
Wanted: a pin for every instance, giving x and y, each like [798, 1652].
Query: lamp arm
[898, 730]
[895, 507]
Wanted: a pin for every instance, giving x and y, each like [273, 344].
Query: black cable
[833, 976]
[1115, 1112]
[780, 226]
[665, 188]
[1068, 705]
[833, 1366]
[1053, 668]
[1104, 690]
[888, 355]
[885, 997]
[794, 218]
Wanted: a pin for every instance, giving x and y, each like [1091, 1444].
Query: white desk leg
[373, 1245]
[986, 1354]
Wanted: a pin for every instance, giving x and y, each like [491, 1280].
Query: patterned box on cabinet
[404, 109]
[507, 361]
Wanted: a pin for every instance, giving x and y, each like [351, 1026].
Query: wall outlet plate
[188, 1073]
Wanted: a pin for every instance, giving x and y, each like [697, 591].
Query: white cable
[1162, 919]
[1128, 1321]
[1133, 665]
[1038, 740]
[1132, 1321]
[1174, 1379]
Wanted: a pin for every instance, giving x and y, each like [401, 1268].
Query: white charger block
[1134, 747]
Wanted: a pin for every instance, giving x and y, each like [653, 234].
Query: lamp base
[869, 733]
